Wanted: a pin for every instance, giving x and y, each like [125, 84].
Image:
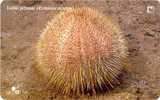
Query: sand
[138, 19]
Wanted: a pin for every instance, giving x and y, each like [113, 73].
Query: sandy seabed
[22, 26]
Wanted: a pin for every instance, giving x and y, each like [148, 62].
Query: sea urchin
[81, 50]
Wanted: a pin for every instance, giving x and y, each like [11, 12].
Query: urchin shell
[81, 50]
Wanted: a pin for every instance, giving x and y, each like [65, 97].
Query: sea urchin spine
[81, 50]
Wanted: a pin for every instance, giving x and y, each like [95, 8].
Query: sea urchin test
[81, 50]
